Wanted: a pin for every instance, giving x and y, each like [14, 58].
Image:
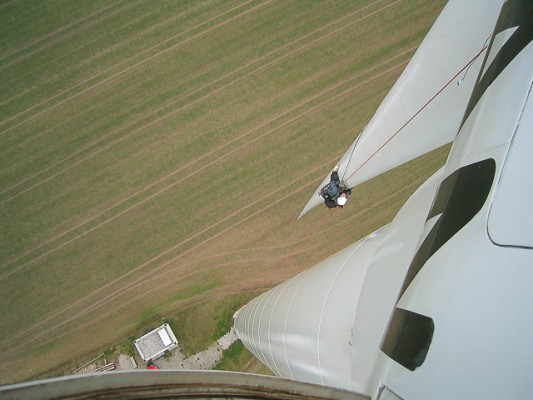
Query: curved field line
[312, 233]
[283, 199]
[203, 87]
[286, 244]
[203, 167]
[127, 69]
[189, 163]
[198, 299]
[102, 302]
[104, 288]
[182, 108]
[43, 38]
[171, 282]
[305, 237]
[171, 114]
[135, 270]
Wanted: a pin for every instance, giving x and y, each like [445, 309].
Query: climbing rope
[351, 154]
[465, 67]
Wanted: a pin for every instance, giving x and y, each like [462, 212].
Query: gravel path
[206, 359]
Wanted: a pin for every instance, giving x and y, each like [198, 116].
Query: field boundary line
[198, 299]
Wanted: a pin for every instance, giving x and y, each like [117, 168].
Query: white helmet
[342, 201]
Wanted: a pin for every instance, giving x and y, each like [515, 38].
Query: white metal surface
[164, 337]
[172, 384]
[478, 290]
[308, 327]
[156, 342]
[424, 108]
[458, 255]
[511, 215]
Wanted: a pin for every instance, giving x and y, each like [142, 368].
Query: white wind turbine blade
[425, 106]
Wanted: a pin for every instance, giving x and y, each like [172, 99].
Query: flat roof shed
[156, 342]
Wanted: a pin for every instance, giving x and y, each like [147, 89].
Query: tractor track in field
[156, 55]
[193, 263]
[188, 104]
[123, 290]
[309, 237]
[203, 167]
[119, 64]
[57, 31]
[198, 159]
[103, 301]
[205, 155]
[127, 69]
[144, 280]
[103, 72]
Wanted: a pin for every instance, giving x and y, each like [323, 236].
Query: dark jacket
[332, 191]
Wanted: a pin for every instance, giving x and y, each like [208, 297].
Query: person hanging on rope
[335, 193]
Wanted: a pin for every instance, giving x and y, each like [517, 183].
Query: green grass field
[154, 157]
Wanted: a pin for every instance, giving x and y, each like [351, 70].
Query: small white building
[156, 342]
